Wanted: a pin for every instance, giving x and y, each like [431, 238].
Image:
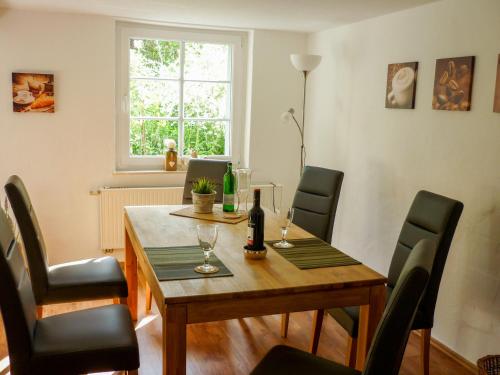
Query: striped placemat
[178, 263]
[311, 253]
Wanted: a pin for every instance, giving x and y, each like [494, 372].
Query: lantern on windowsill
[170, 155]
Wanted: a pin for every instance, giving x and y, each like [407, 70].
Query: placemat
[216, 215]
[178, 263]
[311, 253]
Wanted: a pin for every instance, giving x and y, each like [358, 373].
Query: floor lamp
[303, 63]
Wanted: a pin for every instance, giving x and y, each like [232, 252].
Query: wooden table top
[153, 226]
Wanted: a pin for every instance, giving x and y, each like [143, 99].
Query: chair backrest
[316, 200]
[434, 217]
[16, 299]
[389, 343]
[31, 233]
[211, 169]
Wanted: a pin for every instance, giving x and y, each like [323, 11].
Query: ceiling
[293, 15]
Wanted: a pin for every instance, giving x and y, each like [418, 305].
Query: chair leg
[317, 323]
[350, 355]
[284, 324]
[149, 297]
[116, 301]
[39, 312]
[425, 347]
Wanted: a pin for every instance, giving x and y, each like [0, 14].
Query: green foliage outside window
[160, 99]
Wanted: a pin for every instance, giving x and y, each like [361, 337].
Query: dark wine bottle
[255, 233]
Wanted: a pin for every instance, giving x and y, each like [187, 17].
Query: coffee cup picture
[401, 85]
[24, 97]
[33, 92]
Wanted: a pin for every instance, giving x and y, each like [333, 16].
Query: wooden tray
[216, 215]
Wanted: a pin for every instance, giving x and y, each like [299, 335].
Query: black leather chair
[315, 206]
[316, 200]
[388, 346]
[211, 169]
[431, 216]
[94, 340]
[87, 279]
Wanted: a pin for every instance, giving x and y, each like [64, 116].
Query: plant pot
[203, 203]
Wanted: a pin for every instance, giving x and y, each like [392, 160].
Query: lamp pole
[303, 63]
[302, 148]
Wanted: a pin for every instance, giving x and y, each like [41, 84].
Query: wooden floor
[235, 346]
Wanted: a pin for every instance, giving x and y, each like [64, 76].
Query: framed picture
[453, 84]
[401, 85]
[33, 92]
[496, 105]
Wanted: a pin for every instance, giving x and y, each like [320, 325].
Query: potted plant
[203, 194]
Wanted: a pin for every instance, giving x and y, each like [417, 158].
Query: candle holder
[170, 155]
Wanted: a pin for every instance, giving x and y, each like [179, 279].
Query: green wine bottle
[228, 197]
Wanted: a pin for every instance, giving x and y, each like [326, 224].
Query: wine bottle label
[228, 199]
[250, 232]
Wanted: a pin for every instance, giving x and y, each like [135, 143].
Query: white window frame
[126, 31]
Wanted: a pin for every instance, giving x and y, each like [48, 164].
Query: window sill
[145, 172]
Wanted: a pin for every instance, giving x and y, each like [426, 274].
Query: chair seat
[283, 360]
[93, 340]
[85, 280]
[348, 317]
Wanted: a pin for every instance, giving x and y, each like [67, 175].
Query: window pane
[206, 100]
[154, 98]
[154, 58]
[207, 62]
[206, 137]
[147, 136]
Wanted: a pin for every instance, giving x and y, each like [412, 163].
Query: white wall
[389, 155]
[276, 86]
[62, 156]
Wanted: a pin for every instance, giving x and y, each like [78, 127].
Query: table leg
[369, 317]
[131, 275]
[174, 340]
[316, 331]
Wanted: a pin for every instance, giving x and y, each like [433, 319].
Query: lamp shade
[304, 62]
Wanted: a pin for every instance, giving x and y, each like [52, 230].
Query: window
[180, 85]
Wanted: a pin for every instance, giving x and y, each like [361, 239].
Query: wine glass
[207, 236]
[243, 179]
[285, 222]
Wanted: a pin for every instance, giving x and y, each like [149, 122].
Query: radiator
[113, 200]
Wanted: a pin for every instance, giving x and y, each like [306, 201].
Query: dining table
[257, 287]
